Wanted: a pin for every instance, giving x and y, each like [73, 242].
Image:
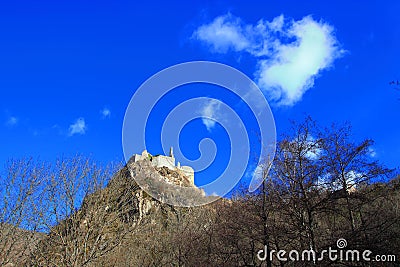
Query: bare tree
[61, 214]
[349, 166]
[297, 169]
[84, 220]
[21, 186]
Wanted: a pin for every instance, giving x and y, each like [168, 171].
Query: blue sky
[68, 69]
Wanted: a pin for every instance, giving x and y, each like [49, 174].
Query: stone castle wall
[166, 161]
[189, 172]
[161, 161]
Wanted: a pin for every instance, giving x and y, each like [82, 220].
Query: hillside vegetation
[321, 187]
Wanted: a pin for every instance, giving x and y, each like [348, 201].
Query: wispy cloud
[313, 148]
[223, 34]
[372, 152]
[105, 113]
[78, 127]
[210, 113]
[12, 121]
[290, 54]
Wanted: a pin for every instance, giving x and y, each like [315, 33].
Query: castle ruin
[166, 161]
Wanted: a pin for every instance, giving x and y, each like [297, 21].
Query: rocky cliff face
[127, 196]
[168, 186]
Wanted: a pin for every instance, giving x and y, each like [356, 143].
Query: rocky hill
[115, 216]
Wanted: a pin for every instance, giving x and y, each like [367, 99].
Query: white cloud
[12, 121]
[223, 33]
[352, 178]
[310, 147]
[372, 152]
[78, 127]
[313, 153]
[290, 54]
[105, 113]
[210, 113]
[313, 148]
[277, 23]
[324, 181]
